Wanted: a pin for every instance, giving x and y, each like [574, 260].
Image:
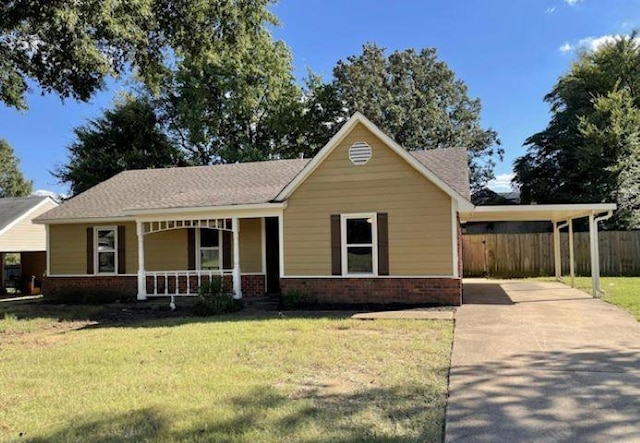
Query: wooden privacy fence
[530, 255]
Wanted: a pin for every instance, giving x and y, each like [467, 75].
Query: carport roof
[551, 213]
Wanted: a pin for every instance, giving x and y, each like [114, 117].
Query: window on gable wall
[210, 256]
[106, 250]
[359, 239]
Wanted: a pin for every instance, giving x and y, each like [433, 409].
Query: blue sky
[508, 52]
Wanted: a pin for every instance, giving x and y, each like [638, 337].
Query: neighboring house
[364, 221]
[26, 240]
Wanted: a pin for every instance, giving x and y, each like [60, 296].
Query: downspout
[595, 260]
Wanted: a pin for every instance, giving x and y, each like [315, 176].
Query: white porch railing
[179, 283]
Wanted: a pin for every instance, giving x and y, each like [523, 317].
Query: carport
[561, 216]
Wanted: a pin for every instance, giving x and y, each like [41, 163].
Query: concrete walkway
[542, 362]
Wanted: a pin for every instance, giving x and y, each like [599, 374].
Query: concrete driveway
[542, 362]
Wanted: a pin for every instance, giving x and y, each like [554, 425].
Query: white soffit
[551, 213]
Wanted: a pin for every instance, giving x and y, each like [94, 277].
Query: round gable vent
[360, 153]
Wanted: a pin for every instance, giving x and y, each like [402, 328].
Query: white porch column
[142, 279]
[595, 262]
[237, 280]
[572, 264]
[556, 251]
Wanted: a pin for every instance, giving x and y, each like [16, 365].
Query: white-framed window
[106, 250]
[359, 235]
[209, 254]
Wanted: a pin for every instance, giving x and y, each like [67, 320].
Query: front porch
[177, 255]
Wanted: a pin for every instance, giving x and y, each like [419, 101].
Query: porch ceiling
[550, 213]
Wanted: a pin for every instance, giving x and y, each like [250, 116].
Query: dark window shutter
[336, 246]
[191, 249]
[122, 264]
[227, 239]
[90, 269]
[383, 243]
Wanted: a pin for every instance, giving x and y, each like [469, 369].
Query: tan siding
[164, 251]
[419, 212]
[68, 248]
[26, 235]
[250, 245]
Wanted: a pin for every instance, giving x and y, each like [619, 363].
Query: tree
[417, 100]
[128, 136]
[70, 48]
[612, 131]
[237, 103]
[577, 157]
[12, 182]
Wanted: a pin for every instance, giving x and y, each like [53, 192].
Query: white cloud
[502, 183]
[47, 193]
[550, 10]
[572, 2]
[593, 43]
[565, 48]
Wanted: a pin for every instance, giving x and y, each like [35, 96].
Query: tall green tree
[71, 48]
[129, 136]
[577, 157]
[612, 134]
[418, 101]
[12, 182]
[237, 103]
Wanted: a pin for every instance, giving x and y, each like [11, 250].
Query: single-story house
[26, 241]
[364, 221]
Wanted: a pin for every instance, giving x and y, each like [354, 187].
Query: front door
[272, 243]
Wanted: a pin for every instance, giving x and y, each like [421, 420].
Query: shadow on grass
[154, 314]
[581, 394]
[402, 414]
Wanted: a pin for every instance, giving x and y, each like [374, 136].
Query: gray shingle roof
[12, 208]
[450, 164]
[220, 185]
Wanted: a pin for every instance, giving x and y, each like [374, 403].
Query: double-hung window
[106, 250]
[210, 256]
[359, 244]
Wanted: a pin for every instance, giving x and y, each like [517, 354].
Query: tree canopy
[418, 101]
[12, 182]
[237, 103]
[129, 136]
[72, 47]
[586, 153]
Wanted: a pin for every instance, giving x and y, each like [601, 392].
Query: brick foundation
[411, 291]
[252, 285]
[126, 285]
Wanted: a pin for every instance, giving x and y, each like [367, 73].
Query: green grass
[620, 291]
[226, 379]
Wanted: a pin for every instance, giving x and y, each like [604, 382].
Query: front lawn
[620, 291]
[226, 379]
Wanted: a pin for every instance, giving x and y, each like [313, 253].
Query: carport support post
[237, 280]
[595, 262]
[556, 250]
[572, 264]
[142, 279]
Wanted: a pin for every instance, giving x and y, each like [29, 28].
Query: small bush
[214, 299]
[297, 299]
[87, 297]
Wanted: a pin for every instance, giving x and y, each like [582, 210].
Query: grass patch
[226, 379]
[620, 291]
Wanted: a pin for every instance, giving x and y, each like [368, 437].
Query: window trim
[344, 246]
[96, 250]
[199, 249]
